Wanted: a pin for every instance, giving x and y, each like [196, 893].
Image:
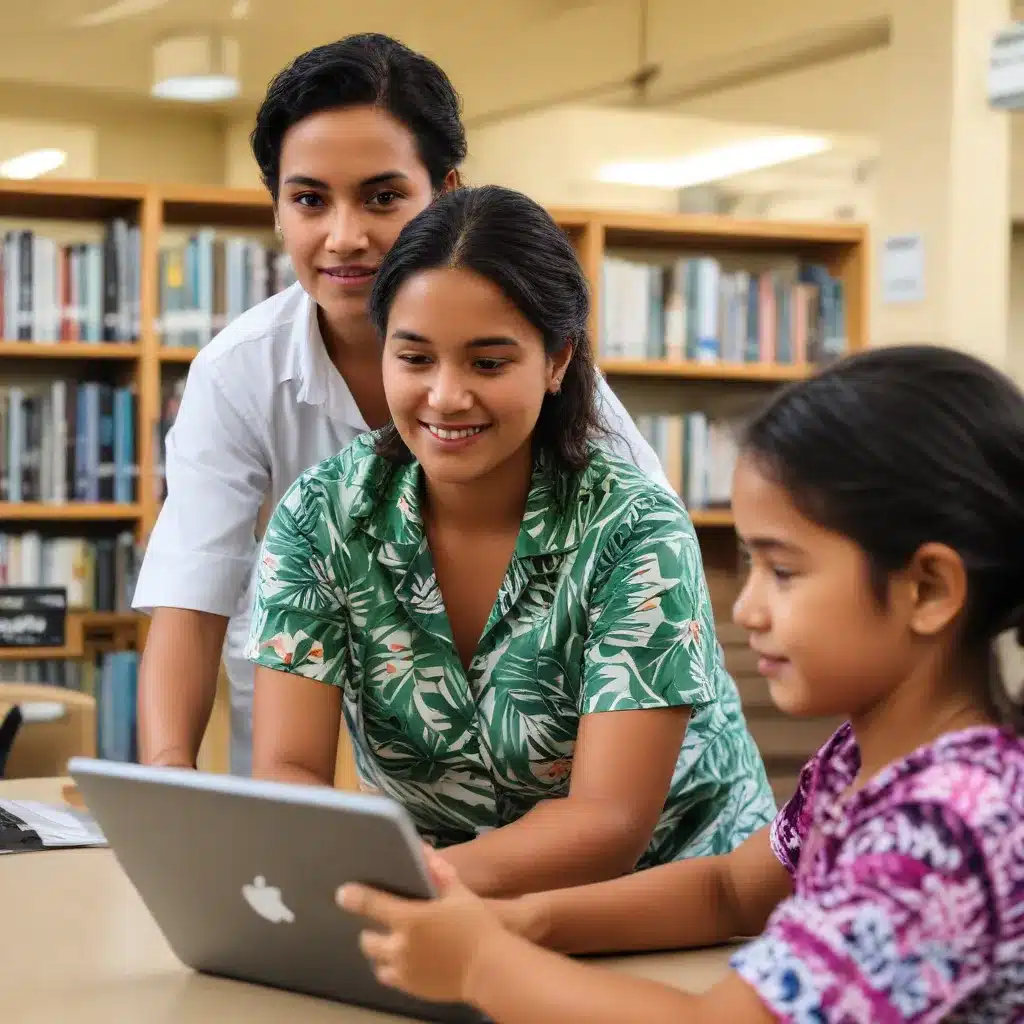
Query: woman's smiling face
[465, 373]
[351, 179]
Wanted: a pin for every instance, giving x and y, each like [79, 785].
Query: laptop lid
[240, 874]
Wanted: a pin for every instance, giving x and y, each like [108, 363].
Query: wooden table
[78, 945]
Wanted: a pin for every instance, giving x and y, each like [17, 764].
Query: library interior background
[833, 171]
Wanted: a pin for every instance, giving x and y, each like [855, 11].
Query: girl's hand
[521, 915]
[425, 947]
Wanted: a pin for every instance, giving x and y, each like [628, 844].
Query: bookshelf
[143, 362]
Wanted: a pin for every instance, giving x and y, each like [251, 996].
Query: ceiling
[505, 56]
[509, 59]
[106, 45]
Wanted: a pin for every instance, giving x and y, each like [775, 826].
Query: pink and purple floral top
[908, 894]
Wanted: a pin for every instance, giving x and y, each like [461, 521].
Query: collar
[552, 519]
[319, 382]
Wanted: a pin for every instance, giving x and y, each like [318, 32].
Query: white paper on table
[56, 826]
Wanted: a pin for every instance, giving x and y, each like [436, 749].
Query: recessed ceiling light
[715, 164]
[197, 88]
[197, 69]
[33, 163]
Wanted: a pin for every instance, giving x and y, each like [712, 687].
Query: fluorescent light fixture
[33, 163]
[196, 69]
[715, 164]
[197, 88]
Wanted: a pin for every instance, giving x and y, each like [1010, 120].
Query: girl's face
[826, 645]
[350, 180]
[465, 374]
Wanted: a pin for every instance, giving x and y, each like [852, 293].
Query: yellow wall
[134, 141]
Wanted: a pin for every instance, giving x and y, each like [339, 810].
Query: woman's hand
[426, 948]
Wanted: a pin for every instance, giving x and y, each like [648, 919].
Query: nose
[347, 232]
[749, 611]
[448, 392]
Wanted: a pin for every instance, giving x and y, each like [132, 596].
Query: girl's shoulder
[972, 779]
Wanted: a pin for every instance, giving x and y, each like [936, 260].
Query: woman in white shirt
[353, 139]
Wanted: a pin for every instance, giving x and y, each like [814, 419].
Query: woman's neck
[492, 503]
[351, 342]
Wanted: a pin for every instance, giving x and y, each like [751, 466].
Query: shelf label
[33, 616]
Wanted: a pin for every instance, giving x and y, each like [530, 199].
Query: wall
[134, 141]
[239, 169]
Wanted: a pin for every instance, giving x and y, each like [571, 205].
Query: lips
[454, 433]
[351, 273]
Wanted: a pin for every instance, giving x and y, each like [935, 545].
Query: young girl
[513, 622]
[882, 504]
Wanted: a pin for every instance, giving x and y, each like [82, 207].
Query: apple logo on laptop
[266, 901]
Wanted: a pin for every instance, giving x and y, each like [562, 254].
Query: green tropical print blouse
[604, 608]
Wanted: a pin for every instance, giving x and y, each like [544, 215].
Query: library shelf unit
[144, 361]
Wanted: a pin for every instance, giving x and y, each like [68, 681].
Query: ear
[558, 364]
[936, 588]
[452, 180]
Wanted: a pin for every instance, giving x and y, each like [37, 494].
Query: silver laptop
[240, 875]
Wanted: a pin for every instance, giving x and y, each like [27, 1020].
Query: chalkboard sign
[33, 616]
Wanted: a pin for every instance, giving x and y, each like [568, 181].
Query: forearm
[282, 771]
[515, 982]
[675, 906]
[178, 684]
[559, 843]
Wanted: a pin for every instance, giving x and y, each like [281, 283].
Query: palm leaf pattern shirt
[604, 607]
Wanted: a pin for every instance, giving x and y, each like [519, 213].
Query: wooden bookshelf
[84, 628]
[72, 350]
[71, 512]
[841, 248]
[751, 373]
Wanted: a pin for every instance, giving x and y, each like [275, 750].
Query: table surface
[77, 943]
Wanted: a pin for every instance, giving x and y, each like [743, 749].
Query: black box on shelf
[33, 616]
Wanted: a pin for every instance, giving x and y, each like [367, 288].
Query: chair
[9, 727]
[48, 725]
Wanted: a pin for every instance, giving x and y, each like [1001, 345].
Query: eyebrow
[487, 342]
[770, 545]
[306, 181]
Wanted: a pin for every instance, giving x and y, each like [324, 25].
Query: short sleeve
[300, 622]
[201, 551]
[833, 767]
[903, 930]
[650, 642]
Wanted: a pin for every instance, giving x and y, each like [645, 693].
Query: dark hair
[360, 70]
[900, 446]
[512, 241]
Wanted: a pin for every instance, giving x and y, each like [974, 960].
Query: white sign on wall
[903, 269]
[1006, 68]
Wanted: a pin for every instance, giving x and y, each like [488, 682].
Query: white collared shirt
[263, 402]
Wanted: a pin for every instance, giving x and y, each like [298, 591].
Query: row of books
[64, 440]
[211, 280]
[90, 291]
[98, 572]
[698, 454]
[171, 390]
[82, 291]
[693, 309]
[111, 677]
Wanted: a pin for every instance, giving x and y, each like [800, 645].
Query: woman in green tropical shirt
[514, 623]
